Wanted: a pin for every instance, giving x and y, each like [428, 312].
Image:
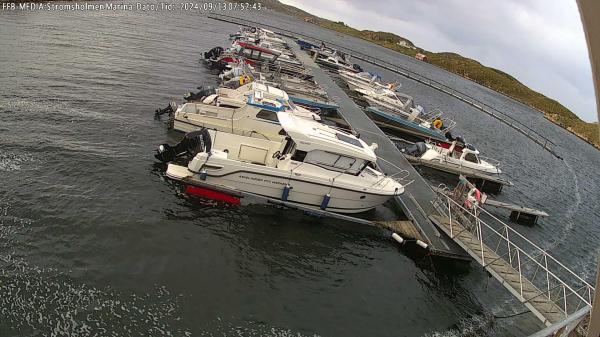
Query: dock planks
[545, 309]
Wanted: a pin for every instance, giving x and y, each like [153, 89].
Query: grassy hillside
[465, 67]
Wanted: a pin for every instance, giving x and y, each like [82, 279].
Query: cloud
[539, 42]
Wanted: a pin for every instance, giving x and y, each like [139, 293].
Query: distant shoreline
[469, 69]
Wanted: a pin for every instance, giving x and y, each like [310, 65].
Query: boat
[335, 62]
[249, 110]
[451, 155]
[363, 80]
[301, 91]
[387, 99]
[415, 127]
[314, 166]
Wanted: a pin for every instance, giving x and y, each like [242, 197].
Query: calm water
[95, 242]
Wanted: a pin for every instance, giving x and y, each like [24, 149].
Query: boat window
[289, 147]
[472, 158]
[299, 155]
[334, 162]
[268, 115]
[347, 139]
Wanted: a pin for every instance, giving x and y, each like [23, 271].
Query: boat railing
[492, 161]
[539, 274]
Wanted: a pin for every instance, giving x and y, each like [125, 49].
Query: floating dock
[416, 201]
[549, 289]
[520, 214]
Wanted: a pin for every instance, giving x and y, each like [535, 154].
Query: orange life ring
[438, 124]
[244, 79]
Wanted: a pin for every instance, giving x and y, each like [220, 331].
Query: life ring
[473, 198]
[438, 124]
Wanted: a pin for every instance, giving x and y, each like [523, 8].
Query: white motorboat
[335, 62]
[250, 110]
[453, 155]
[364, 80]
[313, 166]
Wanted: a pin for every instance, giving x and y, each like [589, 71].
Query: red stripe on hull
[211, 194]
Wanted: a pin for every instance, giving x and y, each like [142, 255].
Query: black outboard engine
[416, 149]
[470, 147]
[213, 54]
[357, 68]
[458, 139]
[170, 109]
[191, 144]
[203, 92]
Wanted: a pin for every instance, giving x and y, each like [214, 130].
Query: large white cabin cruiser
[453, 155]
[249, 110]
[314, 166]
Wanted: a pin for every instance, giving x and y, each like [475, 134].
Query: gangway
[416, 199]
[548, 288]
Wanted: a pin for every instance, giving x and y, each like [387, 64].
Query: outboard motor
[357, 68]
[470, 147]
[458, 139]
[203, 92]
[213, 53]
[416, 149]
[192, 143]
[170, 109]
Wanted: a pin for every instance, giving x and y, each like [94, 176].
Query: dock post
[594, 327]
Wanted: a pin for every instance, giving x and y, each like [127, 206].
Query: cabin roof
[311, 135]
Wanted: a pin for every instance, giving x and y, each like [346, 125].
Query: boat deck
[416, 202]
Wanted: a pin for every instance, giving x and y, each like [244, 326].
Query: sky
[540, 42]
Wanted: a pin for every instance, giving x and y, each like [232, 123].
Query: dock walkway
[416, 201]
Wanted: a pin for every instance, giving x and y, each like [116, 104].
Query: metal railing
[535, 267]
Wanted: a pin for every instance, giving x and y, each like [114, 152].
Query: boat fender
[438, 124]
[374, 146]
[398, 238]
[422, 244]
[473, 198]
[325, 201]
[286, 192]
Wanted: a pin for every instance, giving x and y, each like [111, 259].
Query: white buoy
[398, 238]
[422, 244]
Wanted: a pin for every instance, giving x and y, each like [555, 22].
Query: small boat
[250, 110]
[415, 127]
[362, 80]
[335, 62]
[314, 166]
[452, 155]
[387, 99]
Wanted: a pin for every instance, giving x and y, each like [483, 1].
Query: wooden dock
[416, 201]
[532, 297]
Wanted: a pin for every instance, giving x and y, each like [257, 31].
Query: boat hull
[302, 192]
[397, 123]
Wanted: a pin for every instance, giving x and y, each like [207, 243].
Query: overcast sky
[540, 42]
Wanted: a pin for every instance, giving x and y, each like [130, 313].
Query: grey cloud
[539, 42]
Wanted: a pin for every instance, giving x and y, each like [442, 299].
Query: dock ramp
[549, 289]
[416, 201]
